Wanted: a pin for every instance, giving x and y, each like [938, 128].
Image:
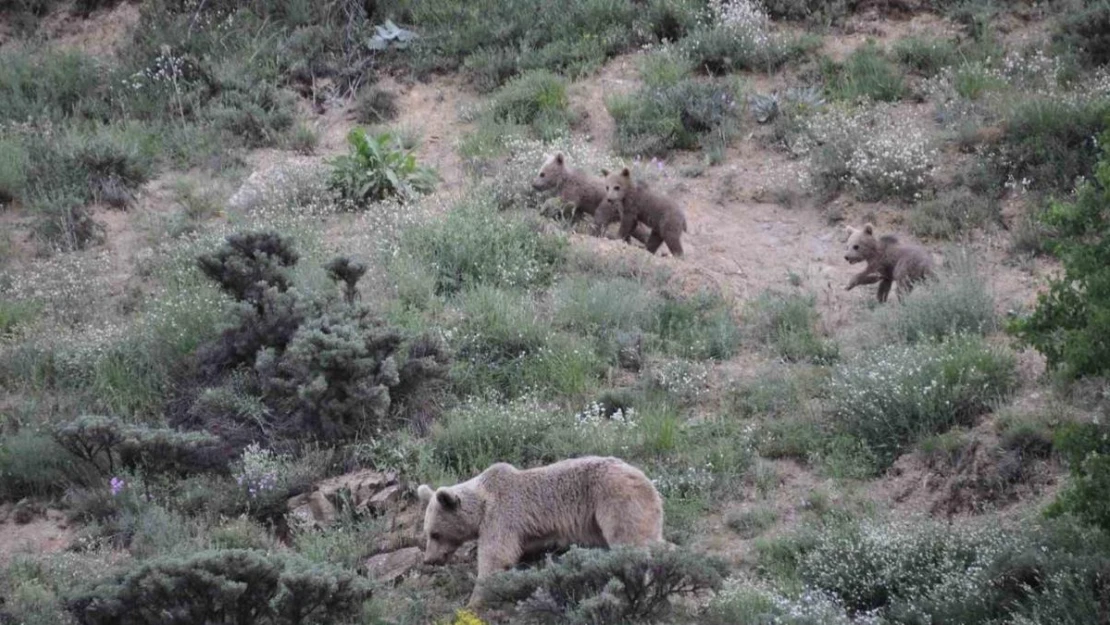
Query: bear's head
[551, 174]
[451, 518]
[617, 185]
[861, 244]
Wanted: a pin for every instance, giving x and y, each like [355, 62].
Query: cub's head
[451, 518]
[551, 174]
[617, 185]
[861, 244]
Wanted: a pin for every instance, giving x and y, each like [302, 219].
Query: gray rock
[388, 567]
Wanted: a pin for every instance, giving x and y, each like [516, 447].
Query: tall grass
[865, 74]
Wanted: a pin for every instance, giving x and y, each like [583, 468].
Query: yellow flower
[466, 617]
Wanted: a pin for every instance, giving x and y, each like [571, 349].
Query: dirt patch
[48, 533]
[99, 34]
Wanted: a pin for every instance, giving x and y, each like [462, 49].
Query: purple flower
[116, 484]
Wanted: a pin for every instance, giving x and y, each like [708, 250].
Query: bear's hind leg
[653, 242]
[884, 290]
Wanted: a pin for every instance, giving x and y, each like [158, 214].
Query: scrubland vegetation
[211, 301]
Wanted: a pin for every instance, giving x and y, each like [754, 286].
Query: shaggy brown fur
[580, 190]
[589, 501]
[888, 261]
[638, 204]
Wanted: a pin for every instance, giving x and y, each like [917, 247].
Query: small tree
[1071, 324]
[249, 264]
[349, 272]
[336, 373]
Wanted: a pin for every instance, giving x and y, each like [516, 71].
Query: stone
[312, 507]
[385, 497]
[388, 567]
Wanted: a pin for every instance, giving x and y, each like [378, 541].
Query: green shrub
[235, 586]
[926, 56]
[958, 301]
[789, 323]
[346, 544]
[699, 328]
[13, 170]
[622, 585]
[16, 314]
[375, 105]
[658, 119]
[1049, 143]
[474, 244]
[602, 307]
[750, 523]
[468, 439]
[818, 12]
[954, 213]
[973, 80]
[1070, 320]
[1086, 449]
[378, 168]
[722, 50]
[34, 465]
[1085, 32]
[536, 98]
[865, 74]
[36, 84]
[891, 396]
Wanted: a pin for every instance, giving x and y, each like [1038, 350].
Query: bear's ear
[869, 229]
[559, 158]
[625, 173]
[604, 172]
[424, 492]
[447, 499]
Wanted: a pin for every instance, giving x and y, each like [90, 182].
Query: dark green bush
[722, 50]
[1085, 32]
[622, 585]
[107, 444]
[1071, 321]
[34, 465]
[334, 376]
[240, 587]
[1086, 449]
[926, 56]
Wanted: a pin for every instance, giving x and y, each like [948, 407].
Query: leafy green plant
[1048, 142]
[536, 98]
[1071, 319]
[378, 168]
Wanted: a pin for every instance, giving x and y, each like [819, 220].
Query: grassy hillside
[267, 266]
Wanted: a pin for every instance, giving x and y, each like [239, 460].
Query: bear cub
[590, 502]
[888, 261]
[580, 190]
[636, 203]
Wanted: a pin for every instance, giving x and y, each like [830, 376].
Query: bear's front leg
[603, 216]
[494, 556]
[866, 276]
[628, 225]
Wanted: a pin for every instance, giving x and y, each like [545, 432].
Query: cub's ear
[559, 158]
[447, 499]
[604, 172]
[625, 173]
[424, 492]
[869, 229]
